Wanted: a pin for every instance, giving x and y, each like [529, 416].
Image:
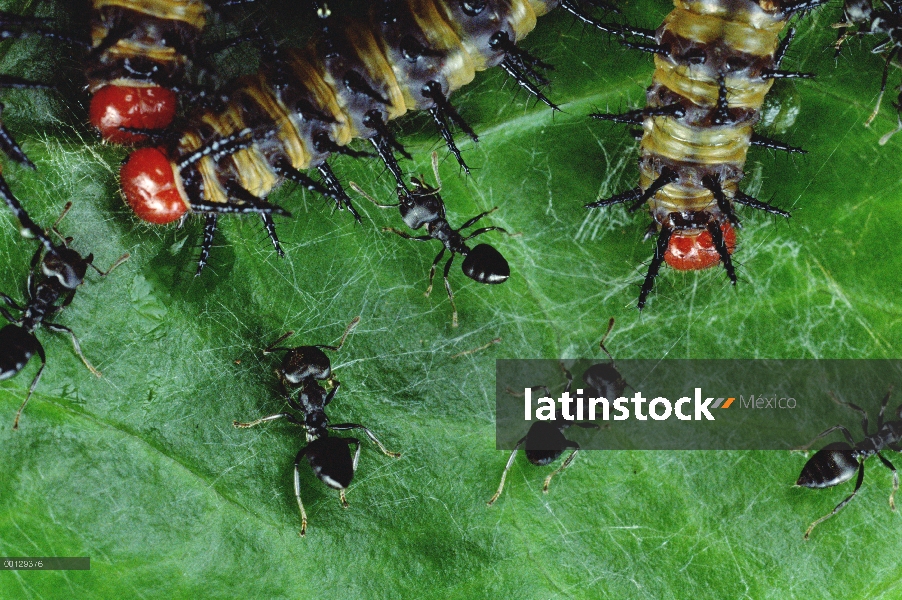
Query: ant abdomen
[831, 465]
[485, 264]
[17, 346]
[331, 462]
[545, 443]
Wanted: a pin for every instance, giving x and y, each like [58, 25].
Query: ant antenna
[360, 191]
[65, 240]
[607, 333]
[348, 330]
[118, 262]
[273, 347]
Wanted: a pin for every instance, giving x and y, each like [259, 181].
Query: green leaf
[142, 470]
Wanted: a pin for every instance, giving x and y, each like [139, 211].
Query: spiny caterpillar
[140, 49]
[348, 83]
[715, 60]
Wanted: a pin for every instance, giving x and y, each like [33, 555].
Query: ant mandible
[424, 206]
[62, 270]
[838, 462]
[545, 442]
[329, 457]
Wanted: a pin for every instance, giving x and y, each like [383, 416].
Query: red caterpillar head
[115, 108]
[150, 186]
[693, 249]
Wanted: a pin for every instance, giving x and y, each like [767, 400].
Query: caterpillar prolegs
[349, 82]
[715, 60]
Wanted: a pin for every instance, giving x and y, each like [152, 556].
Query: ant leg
[356, 443]
[883, 408]
[63, 329]
[30, 284]
[841, 504]
[859, 410]
[118, 262]
[566, 464]
[335, 385]
[507, 468]
[11, 303]
[889, 58]
[569, 377]
[488, 229]
[477, 217]
[438, 178]
[369, 434]
[287, 416]
[432, 271]
[845, 432]
[297, 490]
[34, 384]
[66, 302]
[450, 293]
[5, 314]
[587, 424]
[407, 236]
[274, 347]
[341, 343]
[889, 465]
[341, 493]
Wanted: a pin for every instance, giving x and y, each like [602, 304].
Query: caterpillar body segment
[349, 82]
[715, 61]
[140, 50]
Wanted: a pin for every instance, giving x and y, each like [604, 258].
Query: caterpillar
[139, 52]
[715, 60]
[308, 103]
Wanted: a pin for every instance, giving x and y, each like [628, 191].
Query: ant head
[603, 380]
[486, 265]
[831, 465]
[304, 363]
[420, 206]
[17, 346]
[67, 265]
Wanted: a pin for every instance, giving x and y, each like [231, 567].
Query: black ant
[603, 379]
[62, 271]
[424, 206]
[838, 462]
[329, 457]
[545, 442]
